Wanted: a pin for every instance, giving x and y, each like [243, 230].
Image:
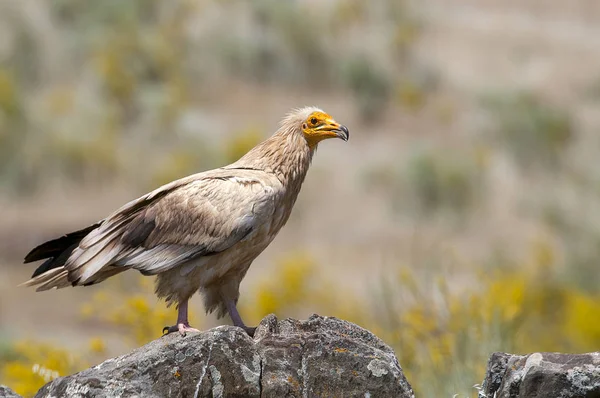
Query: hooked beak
[337, 130]
[343, 133]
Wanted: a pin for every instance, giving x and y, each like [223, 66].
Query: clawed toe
[169, 329]
[180, 327]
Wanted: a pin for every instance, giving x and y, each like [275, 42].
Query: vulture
[199, 233]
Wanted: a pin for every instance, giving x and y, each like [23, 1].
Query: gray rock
[322, 357]
[542, 375]
[6, 392]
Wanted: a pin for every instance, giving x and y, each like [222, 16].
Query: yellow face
[319, 126]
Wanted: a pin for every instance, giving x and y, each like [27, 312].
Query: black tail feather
[57, 251]
[55, 247]
[55, 262]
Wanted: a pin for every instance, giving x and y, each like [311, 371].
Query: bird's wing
[189, 218]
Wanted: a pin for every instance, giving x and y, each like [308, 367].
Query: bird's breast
[269, 214]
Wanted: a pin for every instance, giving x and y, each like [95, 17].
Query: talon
[170, 329]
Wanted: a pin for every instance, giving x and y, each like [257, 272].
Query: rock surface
[320, 357]
[542, 375]
[6, 392]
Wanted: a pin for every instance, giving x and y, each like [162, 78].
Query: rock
[319, 357]
[6, 392]
[542, 375]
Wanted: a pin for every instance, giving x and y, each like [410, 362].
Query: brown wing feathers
[138, 231]
[153, 233]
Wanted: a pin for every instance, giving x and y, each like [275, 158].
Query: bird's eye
[313, 121]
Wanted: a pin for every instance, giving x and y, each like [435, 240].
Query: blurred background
[462, 217]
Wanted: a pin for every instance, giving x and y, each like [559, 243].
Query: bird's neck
[285, 154]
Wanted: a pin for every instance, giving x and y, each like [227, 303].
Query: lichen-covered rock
[542, 375]
[6, 392]
[322, 357]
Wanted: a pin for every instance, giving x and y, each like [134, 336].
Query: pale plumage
[199, 233]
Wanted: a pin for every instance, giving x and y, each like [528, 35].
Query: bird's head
[316, 125]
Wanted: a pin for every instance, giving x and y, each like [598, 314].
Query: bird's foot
[182, 328]
[249, 330]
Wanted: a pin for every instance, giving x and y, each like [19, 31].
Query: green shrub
[370, 86]
[433, 181]
[535, 132]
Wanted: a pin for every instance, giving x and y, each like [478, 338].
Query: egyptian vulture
[198, 233]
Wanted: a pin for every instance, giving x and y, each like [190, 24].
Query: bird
[197, 234]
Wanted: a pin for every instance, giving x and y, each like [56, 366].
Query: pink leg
[183, 326]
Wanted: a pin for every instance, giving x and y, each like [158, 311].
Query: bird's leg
[183, 325]
[236, 318]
